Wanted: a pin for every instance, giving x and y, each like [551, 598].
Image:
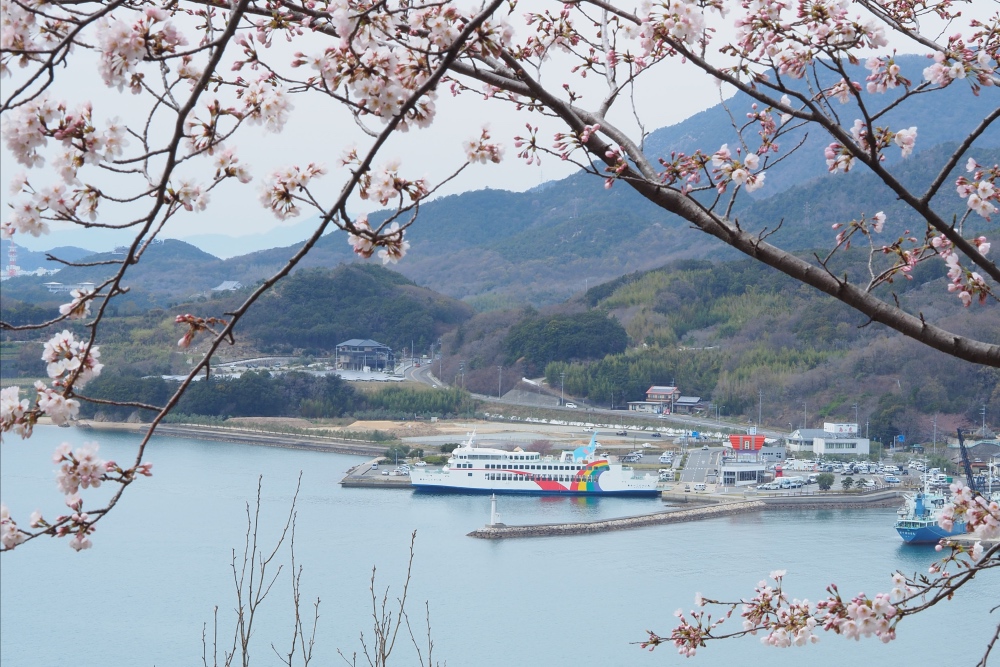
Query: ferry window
[470, 474]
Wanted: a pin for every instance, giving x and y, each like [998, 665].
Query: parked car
[892, 479]
[571, 405]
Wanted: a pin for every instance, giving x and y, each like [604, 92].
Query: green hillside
[315, 309]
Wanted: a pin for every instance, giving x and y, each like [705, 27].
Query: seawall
[677, 516]
[249, 437]
[719, 508]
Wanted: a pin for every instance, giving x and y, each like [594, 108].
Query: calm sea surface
[161, 563]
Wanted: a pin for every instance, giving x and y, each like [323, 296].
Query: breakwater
[501, 531]
[713, 511]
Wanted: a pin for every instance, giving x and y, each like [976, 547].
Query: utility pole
[760, 406]
[935, 435]
[982, 411]
[562, 388]
[499, 380]
[805, 414]
[856, 415]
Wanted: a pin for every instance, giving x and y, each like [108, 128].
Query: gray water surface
[161, 563]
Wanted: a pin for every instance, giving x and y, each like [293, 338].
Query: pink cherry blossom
[905, 139]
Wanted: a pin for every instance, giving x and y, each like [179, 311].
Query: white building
[839, 439]
[742, 473]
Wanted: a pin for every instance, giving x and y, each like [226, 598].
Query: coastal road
[699, 465]
[423, 375]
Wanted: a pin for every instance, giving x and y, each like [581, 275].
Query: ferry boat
[918, 519]
[474, 469]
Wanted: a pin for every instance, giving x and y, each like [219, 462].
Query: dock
[367, 476]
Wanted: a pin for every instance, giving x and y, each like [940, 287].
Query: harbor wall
[501, 531]
[720, 508]
[251, 437]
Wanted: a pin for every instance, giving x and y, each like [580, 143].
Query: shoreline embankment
[314, 443]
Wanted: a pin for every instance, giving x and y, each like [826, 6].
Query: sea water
[162, 562]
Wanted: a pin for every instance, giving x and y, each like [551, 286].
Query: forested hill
[315, 309]
[743, 336]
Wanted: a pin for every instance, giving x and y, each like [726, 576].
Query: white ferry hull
[473, 469]
[596, 481]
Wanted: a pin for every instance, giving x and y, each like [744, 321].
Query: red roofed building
[746, 443]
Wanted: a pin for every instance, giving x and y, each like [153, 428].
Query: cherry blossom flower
[393, 246]
[79, 307]
[65, 355]
[56, 406]
[482, 150]
[878, 222]
[10, 534]
[905, 139]
[12, 406]
[79, 469]
[266, 104]
[282, 188]
[361, 239]
[190, 195]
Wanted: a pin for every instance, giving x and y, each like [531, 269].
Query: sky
[318, 131]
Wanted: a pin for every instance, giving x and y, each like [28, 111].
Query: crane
[969, 476]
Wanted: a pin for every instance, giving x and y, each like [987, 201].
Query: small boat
[581, 472]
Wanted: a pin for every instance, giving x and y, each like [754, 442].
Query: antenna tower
[12, 268]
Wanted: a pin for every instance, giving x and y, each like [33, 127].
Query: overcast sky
[318, 131]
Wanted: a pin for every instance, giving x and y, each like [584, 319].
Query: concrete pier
[677, 516]
[713, 507]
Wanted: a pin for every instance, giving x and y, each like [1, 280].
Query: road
[421, 374]
[701, 465]
[424, 375]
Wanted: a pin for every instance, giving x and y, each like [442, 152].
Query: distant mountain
[30, 260]
[170, 271]
[713, 127]
[226, 246]
[494, 248]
